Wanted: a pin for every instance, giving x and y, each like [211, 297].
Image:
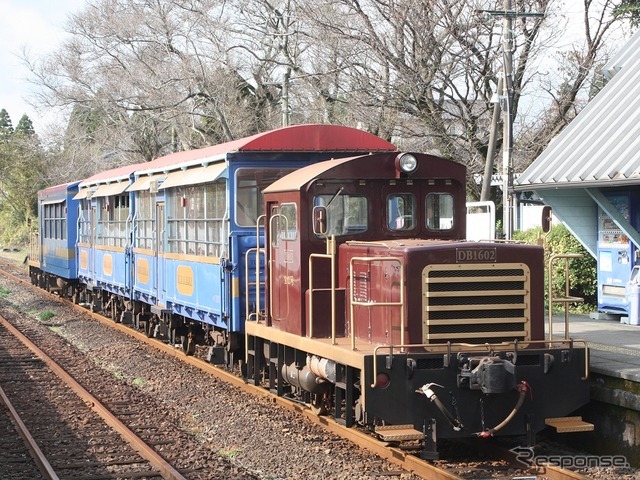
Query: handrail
[368, 243]
[258, 251]
[501, 240]
[489, 347]
[258, 284]
[567, 299]
[270, 264]
[353, 301]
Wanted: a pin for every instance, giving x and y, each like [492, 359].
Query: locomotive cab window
[285, 223]
[401, 212]
[346, 214]
[440, 211]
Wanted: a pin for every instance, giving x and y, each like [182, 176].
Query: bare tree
[157, 76]
[429, 68]
[576, 78]
[146, 68]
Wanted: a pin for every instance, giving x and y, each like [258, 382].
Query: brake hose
[523, 388]
[428, 392]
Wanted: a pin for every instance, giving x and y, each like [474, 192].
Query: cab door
[284, 268]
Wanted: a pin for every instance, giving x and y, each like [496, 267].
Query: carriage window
[401, 211]
[55, 221]
[346, 214]
[440, 211]
[113, 214]
[145, 223]
[249, 185]
[196, 219]
[85, 221]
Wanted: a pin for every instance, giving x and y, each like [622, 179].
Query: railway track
[70, 433]
[404, 459]
[16, 452]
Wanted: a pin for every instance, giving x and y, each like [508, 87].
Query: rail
[567, 299]
[369, 304]
[110, 419]
[39, 458]
[451, 347]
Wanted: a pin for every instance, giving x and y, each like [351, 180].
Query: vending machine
[616, 256]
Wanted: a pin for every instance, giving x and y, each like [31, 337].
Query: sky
[38, 25]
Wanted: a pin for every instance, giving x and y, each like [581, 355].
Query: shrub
[582, 272]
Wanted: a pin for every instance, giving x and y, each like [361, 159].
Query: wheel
[188, 344]
[318, 405]
[149, 328]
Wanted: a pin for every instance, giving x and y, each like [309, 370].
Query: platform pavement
[614, 347]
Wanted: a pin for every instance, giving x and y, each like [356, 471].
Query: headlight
[407, 162]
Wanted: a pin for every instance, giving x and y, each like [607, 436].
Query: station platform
[614, 347]
[614, 360]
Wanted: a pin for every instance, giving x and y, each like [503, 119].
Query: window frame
[345, 228]
[393, 218]
[429, 218]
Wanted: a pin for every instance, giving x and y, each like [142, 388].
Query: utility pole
[507, 124]
[485, 194]
[285, 97]
[506, 103]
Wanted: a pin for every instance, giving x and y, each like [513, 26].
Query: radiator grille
[476, 303]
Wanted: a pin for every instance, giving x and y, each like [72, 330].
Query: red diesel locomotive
[377, 311]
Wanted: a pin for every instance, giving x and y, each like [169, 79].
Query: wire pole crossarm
[510, 13]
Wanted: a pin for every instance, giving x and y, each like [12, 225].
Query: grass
[229, 453]
[15, 256]
[46, 315]
[4, 292]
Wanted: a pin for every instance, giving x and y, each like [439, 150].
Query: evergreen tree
[629, 9]
[25, 127]
[6, 127]
[22, 165]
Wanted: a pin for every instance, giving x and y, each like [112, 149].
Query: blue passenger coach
[195, 229]
[52, 258]
[104, 239]
[172, 245]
